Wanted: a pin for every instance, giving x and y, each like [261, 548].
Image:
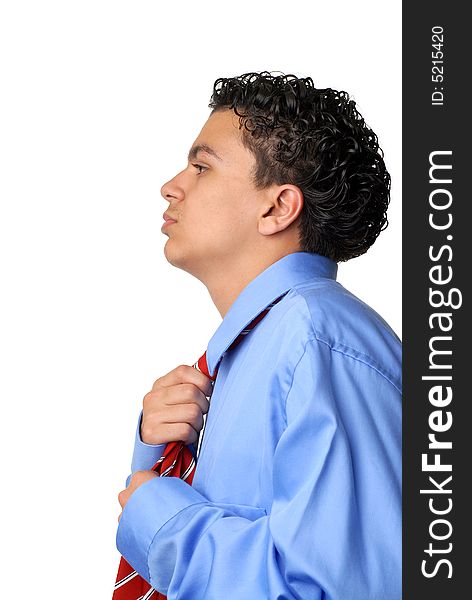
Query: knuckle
[181, 370]
[152, 402]
[194, 412]
[157, 384]
[147, 432]
[151, 428]
[188, 392]
[150, 399]
[186, 431]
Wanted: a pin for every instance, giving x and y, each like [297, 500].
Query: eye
[200, 168]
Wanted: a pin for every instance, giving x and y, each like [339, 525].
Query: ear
[283, 206]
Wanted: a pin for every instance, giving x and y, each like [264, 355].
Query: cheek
[221, 220]
[229, 226]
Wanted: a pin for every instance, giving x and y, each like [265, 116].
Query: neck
[226, 283]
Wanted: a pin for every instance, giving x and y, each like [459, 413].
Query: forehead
[220, 134]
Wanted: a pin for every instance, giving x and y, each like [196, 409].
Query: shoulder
[322, 312]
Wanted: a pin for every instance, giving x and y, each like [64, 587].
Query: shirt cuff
[148, 509]
[144, 455]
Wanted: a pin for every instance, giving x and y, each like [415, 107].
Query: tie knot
[202, 365]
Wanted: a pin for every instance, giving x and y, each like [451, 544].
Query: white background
[99, 104]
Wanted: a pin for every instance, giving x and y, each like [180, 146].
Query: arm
[334, 525]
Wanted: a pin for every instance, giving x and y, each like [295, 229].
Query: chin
[173, 257]
[186, 261]
[169, 255]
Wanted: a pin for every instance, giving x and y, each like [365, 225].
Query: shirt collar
[274, 281]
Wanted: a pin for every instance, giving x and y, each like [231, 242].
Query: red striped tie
[177, 461]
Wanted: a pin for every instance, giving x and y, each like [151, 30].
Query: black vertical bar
[436, 131]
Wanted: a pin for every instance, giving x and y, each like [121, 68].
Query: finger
[185, 413]
[186, 393]
[166, 428]
[179, 432]
[182, 393]
[185, 374]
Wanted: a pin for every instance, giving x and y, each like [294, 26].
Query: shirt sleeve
[144, 455]
[334, 528]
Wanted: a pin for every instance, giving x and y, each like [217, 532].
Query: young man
[297, 490]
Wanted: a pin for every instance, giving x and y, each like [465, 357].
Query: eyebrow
[202, 148]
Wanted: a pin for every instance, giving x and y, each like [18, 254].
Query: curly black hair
[317, 140]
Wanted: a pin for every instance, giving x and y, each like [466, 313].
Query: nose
[172, 190]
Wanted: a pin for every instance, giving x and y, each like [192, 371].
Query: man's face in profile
[213, 201]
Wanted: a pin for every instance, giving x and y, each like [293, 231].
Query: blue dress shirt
[297, 490]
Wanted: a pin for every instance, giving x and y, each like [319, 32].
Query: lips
[167, 218]
[168, 221]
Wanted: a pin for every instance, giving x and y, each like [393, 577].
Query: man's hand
[173, 410]
[136, 480]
